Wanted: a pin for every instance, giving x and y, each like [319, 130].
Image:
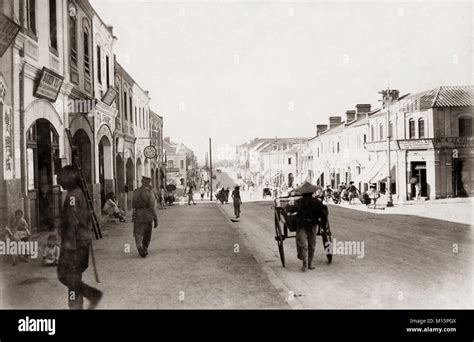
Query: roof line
[436, 97]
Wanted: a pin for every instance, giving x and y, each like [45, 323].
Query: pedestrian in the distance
[202, 192]
[237, 201]
[144, 216]
[191, 193]
[75, 233]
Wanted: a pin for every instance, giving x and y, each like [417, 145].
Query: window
[465, 126]
[421, 128]
[73, 42]
[107, 71]
[99, 64]
[380, 131]
[365, 138]
[337, 148]
[411, 129]
[289, 161]
[170, 164]
[31, 15]
[136, 115]
[390, 129]
[87, 60]
[131, 108]
[182, 164]
[53, 34]
[125, 107]
[372, 133]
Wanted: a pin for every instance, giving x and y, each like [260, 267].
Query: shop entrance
[418, 171]
[43, 164]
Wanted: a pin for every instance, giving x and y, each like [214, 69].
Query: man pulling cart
[307, 216]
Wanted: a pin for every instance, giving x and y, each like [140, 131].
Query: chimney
[167, 139]
[320, 129]
[334, 121]
[350, 115]
[362, 110]
[389, 95]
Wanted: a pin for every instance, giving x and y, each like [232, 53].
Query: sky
[234, 70]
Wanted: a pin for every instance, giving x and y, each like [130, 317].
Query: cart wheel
[279, 237]
[327, 243]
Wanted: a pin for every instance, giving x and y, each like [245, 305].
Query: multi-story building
[48, 78]
[431, 141]
[180, 162]
[59, 73]
[141, 121]
[156, 135]
[124, 137]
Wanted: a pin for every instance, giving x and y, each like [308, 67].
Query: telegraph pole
[389, 177]
[210, 165]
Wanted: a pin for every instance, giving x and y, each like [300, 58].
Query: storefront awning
[366, 174]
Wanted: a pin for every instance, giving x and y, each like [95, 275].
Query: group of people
[350, 193]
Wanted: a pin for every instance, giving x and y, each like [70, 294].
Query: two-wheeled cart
[285, 225]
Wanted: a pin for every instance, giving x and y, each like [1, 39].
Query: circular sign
[150, 152]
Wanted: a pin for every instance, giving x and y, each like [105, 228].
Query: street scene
[236, 155]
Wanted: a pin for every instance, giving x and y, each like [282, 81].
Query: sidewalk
[459, 210]
[197, 261]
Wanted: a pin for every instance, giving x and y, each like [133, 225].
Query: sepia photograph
[237, 155]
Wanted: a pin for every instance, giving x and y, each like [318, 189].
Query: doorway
[418, 170]
[43, 163]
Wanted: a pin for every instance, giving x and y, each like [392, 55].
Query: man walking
[237, 201]
[75, 233]
[144, 216]
[191, 186]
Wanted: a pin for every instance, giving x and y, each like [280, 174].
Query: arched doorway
[139, 172]
[105, 168]
[43, 163]
[291, 180]
[129, 181]
[83, 144]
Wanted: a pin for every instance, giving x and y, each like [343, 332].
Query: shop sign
[8, 31]
[415, 144]
[49, 85]
[110, 96]
[454, 142]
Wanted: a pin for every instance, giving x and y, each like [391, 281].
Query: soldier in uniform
[309, 212]
[144, 216]
[75, 233]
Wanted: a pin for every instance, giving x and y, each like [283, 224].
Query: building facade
[430, 138]
[156, 135]
[60, 73]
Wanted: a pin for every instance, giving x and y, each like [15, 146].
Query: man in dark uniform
[144, 216]
[75, 233]
[309, 212]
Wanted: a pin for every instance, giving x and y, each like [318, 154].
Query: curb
[282, 289]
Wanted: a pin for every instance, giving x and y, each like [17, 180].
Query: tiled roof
[458, 96]
[444, 96]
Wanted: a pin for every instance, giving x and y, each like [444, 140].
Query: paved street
[408, 262]
[192, 264]
[200, 259]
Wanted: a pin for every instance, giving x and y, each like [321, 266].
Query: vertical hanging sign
[8, 31]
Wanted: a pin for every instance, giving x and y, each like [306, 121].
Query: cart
[285, 225]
